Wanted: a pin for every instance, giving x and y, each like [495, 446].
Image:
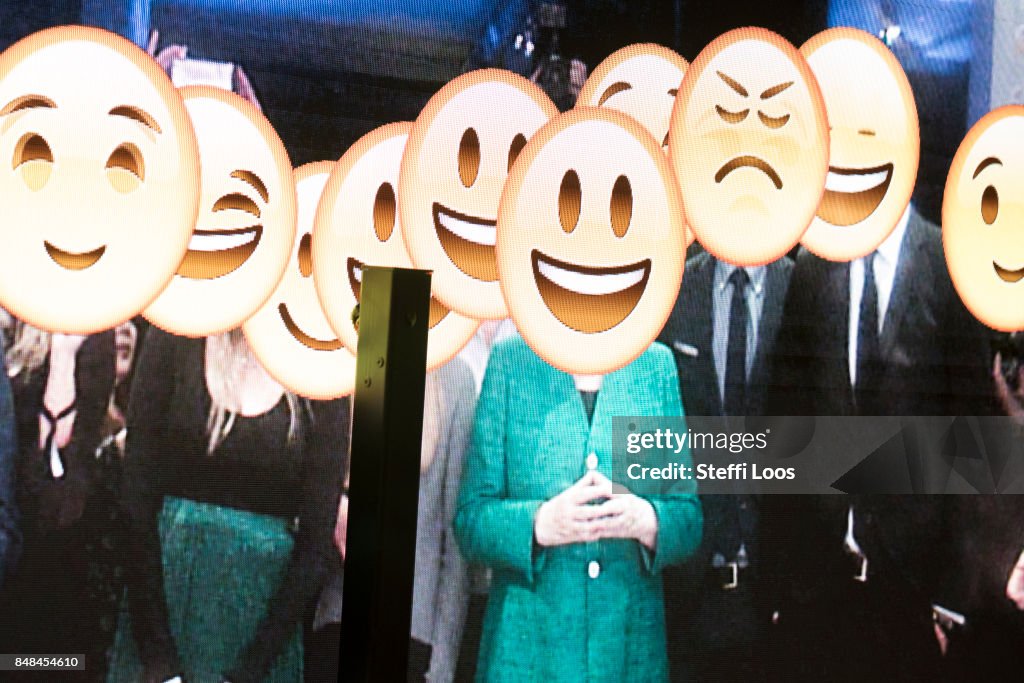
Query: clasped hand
[588, 511]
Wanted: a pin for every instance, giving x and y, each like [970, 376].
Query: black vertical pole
[384, 475]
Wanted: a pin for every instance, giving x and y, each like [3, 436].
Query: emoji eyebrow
[733, 84]
[27, 102]
[775, 90]
[613, 89]
[985, 164]
[137, 115]
[253, 180]
[236, 200]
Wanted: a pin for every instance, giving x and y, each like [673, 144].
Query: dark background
[325, 76]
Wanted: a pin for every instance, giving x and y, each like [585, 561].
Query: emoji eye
[773, 121]
[33, 148]
[570, 198]
[384, 212]
[305, 256]
[989, 205]
[731, 117]
[469, 157]
[237, 201]
[125, 169]
[621, 206]
[518, 142]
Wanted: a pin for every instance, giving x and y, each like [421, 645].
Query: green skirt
[221, 568]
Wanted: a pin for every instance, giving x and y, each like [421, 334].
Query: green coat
[547, 619]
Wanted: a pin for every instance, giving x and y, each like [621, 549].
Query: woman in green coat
[576, 592]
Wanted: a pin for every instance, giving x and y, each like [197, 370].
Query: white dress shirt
[886, 258]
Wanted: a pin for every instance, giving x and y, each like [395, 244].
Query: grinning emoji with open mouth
[591, 241]
[357, 226]
[246, 226]
[749, 143]
[98, 177]
[640, 80]
[290, 334]
[875, 143]
[460, 150]
[982, 219]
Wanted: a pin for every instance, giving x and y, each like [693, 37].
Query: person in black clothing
[231, 486]
[722, 332]
[62, 386]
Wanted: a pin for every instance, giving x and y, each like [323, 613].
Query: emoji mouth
[1008, 275]
[70, 261]
[215, 253]
[302, 337]
[853, 194]
[355, 280]
[749, 162]
[586, 299]
[468, 241]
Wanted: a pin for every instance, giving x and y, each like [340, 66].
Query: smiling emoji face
[875, 143]
[591, 246]
[639, 80]
[99, 177]
[982, 218]
[459, 153]
[246, 225]
[290, 334]
[749, 144]
[357, 226]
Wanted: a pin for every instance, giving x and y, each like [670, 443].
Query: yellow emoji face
[639, 80]
[749, 144]
[591, 245]
[99, 176]
[875, 143]
[357, 226]
[246, 225]
[290, 334]
[982, 216]
[459, 153]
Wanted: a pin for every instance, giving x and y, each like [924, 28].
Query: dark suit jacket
[689, 329]
[936, 362]
[695, 616]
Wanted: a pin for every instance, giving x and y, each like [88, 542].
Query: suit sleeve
[680, 519]
[453, 593]
[491, 528]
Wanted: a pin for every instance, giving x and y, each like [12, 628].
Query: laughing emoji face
[591, 241]
[639, 80]
[246, 226]
[357, 225]
[749, 143]
[99, 175]
[875, 143]
[982, 217]
[460, 150]
[290, 334]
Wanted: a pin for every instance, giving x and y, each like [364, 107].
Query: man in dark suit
[721, 332]
[853, 580]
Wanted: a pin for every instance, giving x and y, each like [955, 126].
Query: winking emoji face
[246, 225]
[875, 143]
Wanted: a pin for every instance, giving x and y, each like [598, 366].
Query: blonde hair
[227, 356]
[29, 348]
